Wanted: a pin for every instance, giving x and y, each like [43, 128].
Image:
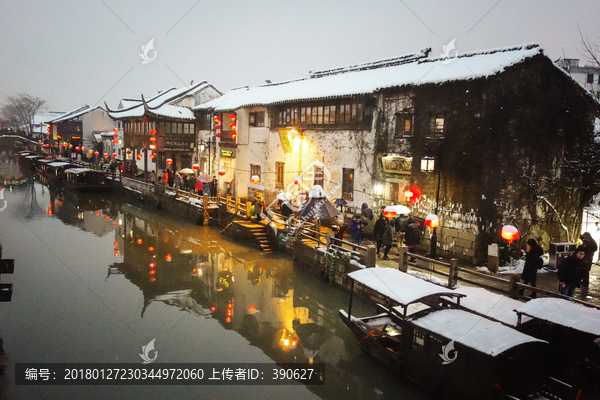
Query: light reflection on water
[97, 278]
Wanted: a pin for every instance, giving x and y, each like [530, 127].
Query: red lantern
[115, 142]
[152, 272]
[169, 161]
[233, 126]
[152, 265]
[408, 194]
[116, 135]
[195, 167]
[432, 221]
[232, 117]
[114, 155]
[128, 151]
[233, 134]
[217, 118]
[297, 180]
[83, 149]
[221, 172]
[168, 257]
[139, 156]
[510, 233]
[255, 179]
[139, 241]
[70, 146]
[116, 129]
[105, 155]
[150, 248]
[218, 126]
[218, 134]
[77, 148]
[96, 153]
[152, 138]
[153, 132]
[152, 156]
[152, 147]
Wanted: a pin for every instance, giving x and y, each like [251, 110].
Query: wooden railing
[455, 273]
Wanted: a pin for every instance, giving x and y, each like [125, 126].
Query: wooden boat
[41, 164]
[56, 171]
[86, 179]
[458, 354]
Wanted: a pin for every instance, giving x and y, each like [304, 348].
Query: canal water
[97, 278]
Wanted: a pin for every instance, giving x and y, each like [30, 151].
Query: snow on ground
[516, 267]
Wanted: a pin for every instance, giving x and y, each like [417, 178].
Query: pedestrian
[153, 176]
[199, 187]
[178, 180]
[378, 232]
[171, 178]
[206, 187]
[368, 221]
[388, 239]
[213, 186]
[590, 246]
[533, 262]
[568, 275]
[356, 230]
[412, 236]
[166, 177]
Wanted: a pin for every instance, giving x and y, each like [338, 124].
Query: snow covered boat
[56, 171]
[420, 336]
[86, 179]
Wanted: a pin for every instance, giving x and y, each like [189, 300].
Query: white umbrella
[284, 196]
[399, 209]
[186, 171]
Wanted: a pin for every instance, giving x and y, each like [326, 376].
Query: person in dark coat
[533, 262]
[213, 186]
[356, 230]
[285, 208]
[568, 272]
[368, 221]
[388, 239]
[412, 236]
[378, 231]
[590, 246]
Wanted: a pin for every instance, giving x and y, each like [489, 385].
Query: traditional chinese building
[160, 132]
[479, 139]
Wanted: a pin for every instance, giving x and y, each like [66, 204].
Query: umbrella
[187, 171]
[399, 209]
[284, 196]
[340, 202]
[317, 207]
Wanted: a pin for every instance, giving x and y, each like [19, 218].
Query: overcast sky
[75, 52]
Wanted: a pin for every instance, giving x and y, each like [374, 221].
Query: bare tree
[18, 111]
[590, 49]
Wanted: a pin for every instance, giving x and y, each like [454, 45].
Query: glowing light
[116, 129]
[150, 248]
[255, 179]
[510, 233]
[116, 135]
[232, 117]
[139, 156]
[169, 161]
[218, 134]
[139, 241]
[96, 153]
[116, 254]
[221, 172]
[153, 132]
[152, 265]
[152, 272]
[195, 167]
[432, 221]
[168, 257]
[114, 155]
[228, 319]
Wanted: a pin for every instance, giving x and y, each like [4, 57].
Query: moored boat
[86, 179]
[56, 171]
[420, 336]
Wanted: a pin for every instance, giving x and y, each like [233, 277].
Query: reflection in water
[290, 316]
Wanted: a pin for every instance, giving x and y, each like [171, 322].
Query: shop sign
[228, 153]
[396, 164]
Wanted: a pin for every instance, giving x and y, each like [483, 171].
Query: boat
[421, 335]
[86, 179]
[56, 171]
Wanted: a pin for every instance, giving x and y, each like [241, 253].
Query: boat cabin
[422, 336]
[57, 170]
[86, 179]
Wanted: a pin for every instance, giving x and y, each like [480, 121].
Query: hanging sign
[396, 164]
[284, 137]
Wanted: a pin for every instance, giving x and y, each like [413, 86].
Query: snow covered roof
[45, 161]
[77, 171]
[159, 105]
[473, 331]
[399, 286]
[78, 112]
[58, 164]
[414, 69]
[495, 306]
[565, 313]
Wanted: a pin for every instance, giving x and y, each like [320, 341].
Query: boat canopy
[35, 156]
[77, 171]
[45, 161]
[492, 305]
[563, 312]
[58, 164]
[399, 286]
[473, 331]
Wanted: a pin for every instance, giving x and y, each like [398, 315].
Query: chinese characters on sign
[396, 164]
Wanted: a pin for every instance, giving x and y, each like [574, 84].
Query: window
[427, 164]
[255, 170]
[404, 125]
[279, 174]
[436, 125]
[418, 339]
[257, 119]
[319, 176]
[348, 183]
[590, 78]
